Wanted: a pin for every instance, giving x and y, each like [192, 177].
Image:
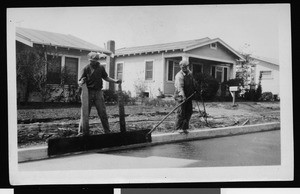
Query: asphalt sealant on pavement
[37, 153]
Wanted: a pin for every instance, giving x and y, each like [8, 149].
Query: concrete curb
[37, 153]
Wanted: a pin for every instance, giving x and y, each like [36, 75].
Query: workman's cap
[183, 63]
[93, 56]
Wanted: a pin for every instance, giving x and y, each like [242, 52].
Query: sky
[248, 28]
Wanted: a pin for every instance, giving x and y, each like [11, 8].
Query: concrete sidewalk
[37, 153]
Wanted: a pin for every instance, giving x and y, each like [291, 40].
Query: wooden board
[121, 110]
[84, 143]
[85, 109]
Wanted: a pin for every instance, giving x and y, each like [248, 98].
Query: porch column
[111, 63]
[233, 75]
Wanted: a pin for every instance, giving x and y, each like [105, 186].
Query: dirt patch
[37, 126]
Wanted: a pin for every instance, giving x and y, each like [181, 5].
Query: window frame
[223, 67]
[266, 78]
[116, 69]
[61, 68]
[173, 74]
[64, 64]
[146, 70]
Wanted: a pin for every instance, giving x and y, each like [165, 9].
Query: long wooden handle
[169, 114]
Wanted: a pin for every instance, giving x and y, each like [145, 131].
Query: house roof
[160, 47]
[31, 36]
[182, 45]
[268, 60]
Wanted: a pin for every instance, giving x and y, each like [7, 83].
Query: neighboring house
[269, 69]
[155, 66]
[70, 51]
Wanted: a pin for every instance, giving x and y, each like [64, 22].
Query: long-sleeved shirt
[184, 85]
[94, 76]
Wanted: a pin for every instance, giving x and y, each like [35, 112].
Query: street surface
[253, 149]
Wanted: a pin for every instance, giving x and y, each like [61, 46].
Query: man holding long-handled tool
[184, 88]
[92, 75]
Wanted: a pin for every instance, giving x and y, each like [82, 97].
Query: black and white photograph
[150, 94]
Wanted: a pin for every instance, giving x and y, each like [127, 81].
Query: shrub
[110, 96]
[140, 88]
[159, 102]
[225, 93]
[161, 94]
[127, 98]
[207, 84]
[267, 96]
[258, 92]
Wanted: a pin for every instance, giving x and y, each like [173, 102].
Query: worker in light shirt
[184, 87]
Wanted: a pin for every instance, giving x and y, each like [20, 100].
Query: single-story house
[70, 51]
[154, 67]
[269, 71]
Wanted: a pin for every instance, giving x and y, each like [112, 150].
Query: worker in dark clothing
[92, 74]
[184, 87]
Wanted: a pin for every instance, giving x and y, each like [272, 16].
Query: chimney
[111, 63]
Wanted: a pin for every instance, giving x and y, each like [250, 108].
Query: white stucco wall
[271, 84]
[134, 73]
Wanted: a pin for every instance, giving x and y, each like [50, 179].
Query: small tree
[245, 70]
[32, 71]
[258, 91]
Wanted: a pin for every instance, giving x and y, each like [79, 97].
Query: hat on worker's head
[183, 63]
[93, 56]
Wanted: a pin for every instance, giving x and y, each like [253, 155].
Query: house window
[213, 45]
[53, 69]
[149, 70]
[173, 69]
[266, 74]
[197, 68]
[120, 71]
[220, 73]
[71, 70]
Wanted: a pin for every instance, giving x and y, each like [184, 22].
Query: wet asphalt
[255, 149]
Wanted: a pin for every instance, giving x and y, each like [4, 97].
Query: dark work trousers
[184, 113]
[96, 97]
